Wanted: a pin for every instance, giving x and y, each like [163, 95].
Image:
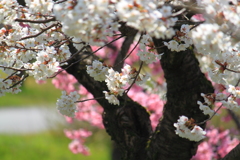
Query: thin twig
[18, 82]
[215, 112]
[89, 99]
[15, 69]
[10, 76]
[74, 55]
[60, 1]
[237, 82]
[90, 54]
[67, 61]
[138, 72]
[43, 30]
[130, 52]
[38, 21]
[232, 70]
[128, 89]
[196, 24]
[124, 50]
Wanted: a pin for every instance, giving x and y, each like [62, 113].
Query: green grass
[50, 146]
[32, 94]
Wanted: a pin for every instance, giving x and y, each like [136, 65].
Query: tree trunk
[129, 124]
[185, 83]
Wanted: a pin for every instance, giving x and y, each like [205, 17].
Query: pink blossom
[69, 119]
[76, 146]
[226, 118]
[41, 81]
[133, 57]
[204, 152]
[152, 102]
[64, 81]
[227, 145]
[77, 134]
[198, 17]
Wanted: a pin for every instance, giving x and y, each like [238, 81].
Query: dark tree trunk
[129, 124]
[185, 83]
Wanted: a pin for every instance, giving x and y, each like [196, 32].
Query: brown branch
[88, 99]
[15, 69]
[43, 30]
[129, 52]
[118, 64]
[34, 21]
[231, 70]
[138, 72]
[60, 1]
[92, 53]
[25, 76]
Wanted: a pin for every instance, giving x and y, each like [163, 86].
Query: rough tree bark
[185, 83]
[129, 124]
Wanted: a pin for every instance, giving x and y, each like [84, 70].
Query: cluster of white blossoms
[115, 81]
[230, 101]
[145, 16]
[231, 104]
[7, 14]
[235, 91]
[97, 70]
[205, 108]
[24, 46]
[222, 11]
[187, 129]
[67, 103]
[45, 64]
[209, 39]
[218, 38]
[181, 41]
[91, 21]
[87, 20]
[147, 56]
[40, 6]
[6, 87]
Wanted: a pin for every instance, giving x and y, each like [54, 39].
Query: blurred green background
[51, 144]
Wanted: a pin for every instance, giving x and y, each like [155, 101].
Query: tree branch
[128, 124]
[38, 21]
[124, 50]
[43, 30]
[185, 83]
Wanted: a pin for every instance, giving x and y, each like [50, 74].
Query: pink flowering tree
[151, 73]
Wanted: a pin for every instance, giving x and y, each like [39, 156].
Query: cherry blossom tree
[151, 73]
